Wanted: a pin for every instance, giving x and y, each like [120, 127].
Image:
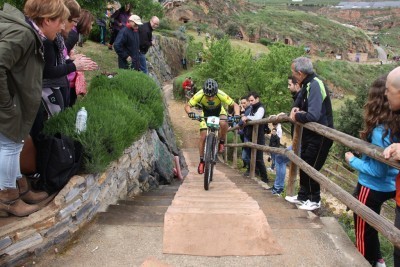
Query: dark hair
[74, 9]
[377, 111]
[254, 94]
[293, 79]
[122, 8]
[85, 22]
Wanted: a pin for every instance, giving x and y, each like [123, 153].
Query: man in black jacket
[313, 105]
[257, 112]
[146, 40]
[127, 44]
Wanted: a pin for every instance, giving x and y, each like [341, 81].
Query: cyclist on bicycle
[211, 100]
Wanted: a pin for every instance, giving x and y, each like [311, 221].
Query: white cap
[136, 19]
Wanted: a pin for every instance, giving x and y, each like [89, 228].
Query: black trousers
[314, 151]
[260, 165]
[114, 34]
[367, 241]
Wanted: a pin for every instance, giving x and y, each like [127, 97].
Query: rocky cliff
[366, 19]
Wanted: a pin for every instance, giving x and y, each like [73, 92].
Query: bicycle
[211, 146]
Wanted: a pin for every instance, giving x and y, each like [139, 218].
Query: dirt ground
[186, 130]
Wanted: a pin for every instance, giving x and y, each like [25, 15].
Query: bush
[120, 110]
[180, 35]
[265, 41]
[95, 34]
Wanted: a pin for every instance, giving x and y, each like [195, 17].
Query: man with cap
[127, 42]
[146, 40]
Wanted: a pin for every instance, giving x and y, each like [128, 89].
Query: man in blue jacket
[314, 105]
[126, 44]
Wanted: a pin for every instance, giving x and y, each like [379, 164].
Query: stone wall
[164, 58]
[143, 166]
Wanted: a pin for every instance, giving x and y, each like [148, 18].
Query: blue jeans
[143, 63]
[280, 164]
[246, 153]
[273, 158]
[9, 162]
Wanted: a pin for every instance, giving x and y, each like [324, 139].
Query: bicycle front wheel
[209, 159]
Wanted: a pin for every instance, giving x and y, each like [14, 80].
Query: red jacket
[186, 83]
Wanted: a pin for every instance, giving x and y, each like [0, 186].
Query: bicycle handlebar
[228, 119]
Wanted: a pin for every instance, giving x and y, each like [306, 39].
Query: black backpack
[58, 159]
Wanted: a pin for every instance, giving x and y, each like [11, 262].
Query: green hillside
[304, 28]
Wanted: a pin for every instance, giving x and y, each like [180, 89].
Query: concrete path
[134, 236]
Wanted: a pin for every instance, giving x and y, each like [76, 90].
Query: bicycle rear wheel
[209, 159]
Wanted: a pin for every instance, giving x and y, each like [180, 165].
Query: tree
[238, 73]
[144, 8]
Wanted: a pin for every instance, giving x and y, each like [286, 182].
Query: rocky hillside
[323, 36]
[214, 12]
[367, 19]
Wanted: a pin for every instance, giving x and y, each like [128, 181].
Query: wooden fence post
[234, 159]
[226, 149]
[253, 151]
[294, 169]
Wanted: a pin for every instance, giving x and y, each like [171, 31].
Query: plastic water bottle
[81, 118]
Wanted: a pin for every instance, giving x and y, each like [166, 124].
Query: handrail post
[234, 159]
[254, 140]
[294, 169]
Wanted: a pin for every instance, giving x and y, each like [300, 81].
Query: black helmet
[210, 87]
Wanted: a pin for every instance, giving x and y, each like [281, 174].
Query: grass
[105, 58]
[303, 28]
[256, 48]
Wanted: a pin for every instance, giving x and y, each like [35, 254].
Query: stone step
[203, 198]
[149, 202]
[127, 209]
[212, 210]
[159, 193]
[295, 223]
[139, 219]
[211, 205]
[223, 234]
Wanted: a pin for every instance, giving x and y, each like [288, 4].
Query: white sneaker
[309, 205]
[293, 200]
[271, 170]
[380, 263]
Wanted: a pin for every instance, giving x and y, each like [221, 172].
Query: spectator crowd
[39, 73]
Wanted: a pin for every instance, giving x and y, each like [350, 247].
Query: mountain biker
[211, 100]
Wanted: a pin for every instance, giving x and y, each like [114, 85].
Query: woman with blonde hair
[21, 69]
[376, 180]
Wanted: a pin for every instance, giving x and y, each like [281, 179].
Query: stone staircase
[147, 209]
[301, 236]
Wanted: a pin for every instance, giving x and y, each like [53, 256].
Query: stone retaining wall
[144, 165]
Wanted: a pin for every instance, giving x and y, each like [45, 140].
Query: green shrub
[180, 35]
[265, 41]
[120, 110]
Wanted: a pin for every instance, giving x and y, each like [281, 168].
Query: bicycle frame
[211, 147]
